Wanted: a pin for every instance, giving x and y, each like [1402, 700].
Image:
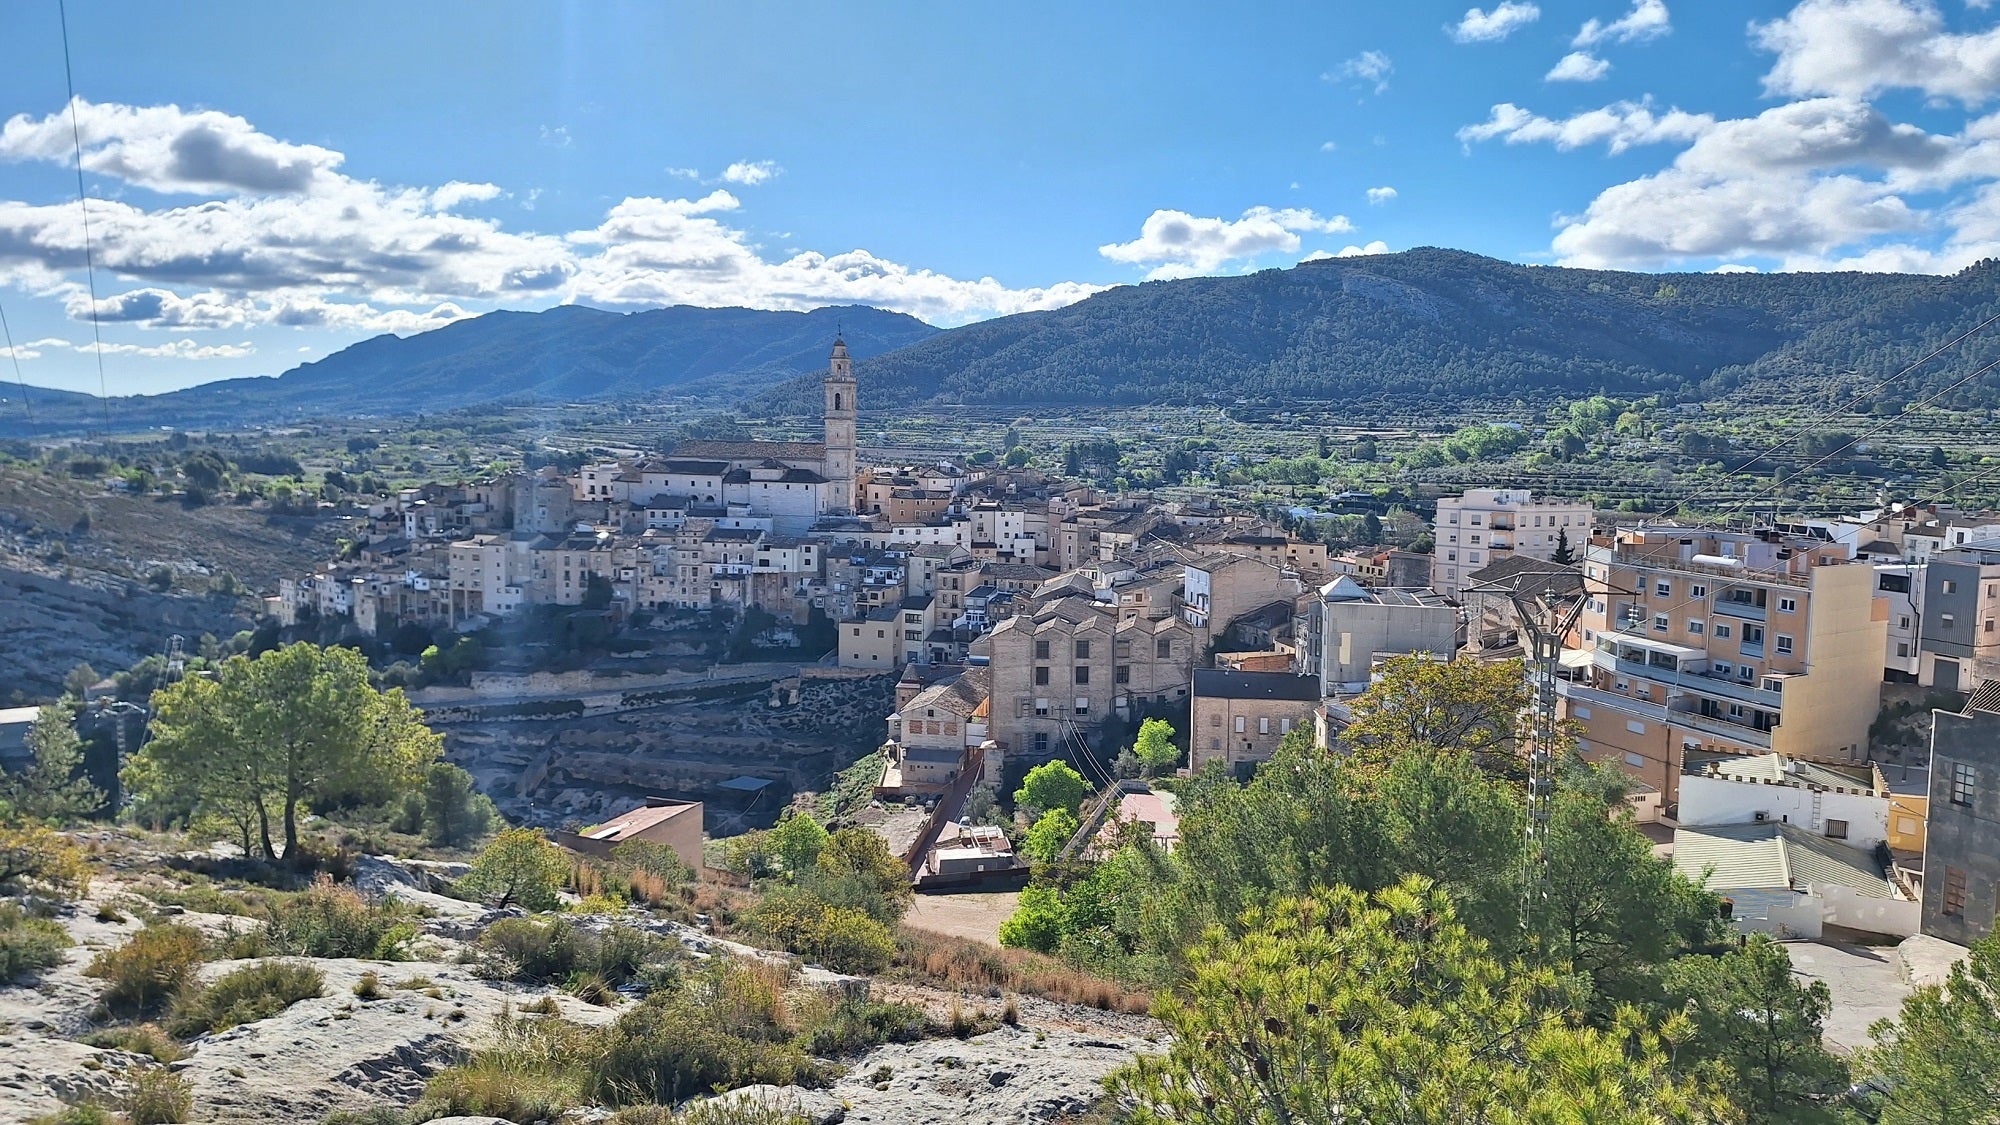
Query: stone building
[1962, 842]
[1238, 718]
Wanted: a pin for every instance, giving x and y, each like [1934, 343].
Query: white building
[1489, 524]
[1773, 789]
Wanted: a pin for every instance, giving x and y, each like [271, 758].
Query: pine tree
[54, 787]
[1564, 554]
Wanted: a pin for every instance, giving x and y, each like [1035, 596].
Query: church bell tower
[840, 391]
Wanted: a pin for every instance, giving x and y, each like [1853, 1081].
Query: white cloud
[557, 137]
[1798, 182]
[1856, 48]
[750, 173]
[1379, 195]
[1327, 146]
[172, 349]
[1507, 17]
[684, 173]
[1648, 19]
[1578, 66]
[457, 191]
[169, 149]
[1618, 126]
[282, 237]
[1178, 244]
[1376, 247]
[1371, 67]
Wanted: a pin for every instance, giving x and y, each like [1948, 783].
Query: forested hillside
[1452, 327]
[566, 354]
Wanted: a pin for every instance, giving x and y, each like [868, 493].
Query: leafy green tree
[53, 787]
[1345, 1008]
[293, 725]
[79, 680]
[1051, 785]
[1759, 1028]
[454, 810]
[1155, 747]
[519, 868]
[857, 869]
[1940, 1057]
[1046, 839]
[798, 840]
[1037, 922]
[1462, 704]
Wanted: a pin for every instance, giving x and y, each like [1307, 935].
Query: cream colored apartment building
[1729, 642]
[1489, 524]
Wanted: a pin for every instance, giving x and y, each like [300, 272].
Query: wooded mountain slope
[1454, 327]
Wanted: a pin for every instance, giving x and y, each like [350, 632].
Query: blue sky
[272, 182]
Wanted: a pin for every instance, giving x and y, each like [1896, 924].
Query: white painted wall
[1715, 800]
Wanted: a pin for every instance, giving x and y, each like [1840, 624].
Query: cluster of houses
[1733, 672]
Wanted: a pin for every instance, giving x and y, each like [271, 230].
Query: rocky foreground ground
[342, 1052]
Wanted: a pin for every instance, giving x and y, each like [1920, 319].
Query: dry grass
[970, 965]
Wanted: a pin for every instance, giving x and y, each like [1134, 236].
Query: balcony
[1653, 712]
[1728, 608]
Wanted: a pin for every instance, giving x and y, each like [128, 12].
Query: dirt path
[975, 916]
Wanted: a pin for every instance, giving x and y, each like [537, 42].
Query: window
[1635, 726]
[1041, 650]
[1636, 761]
[1041, 675]
[1788, 605]
[1083, 650]
[1697, 590]
[1753, 635]
[1284, 726]
[1721, 631]
[1724, 668]
[1215, 720]
[1836, 830]
[1963, 780]
[1239, 724]
[1784, 644]
[1947, 619]
[1082, 705]
[1122, 674]
[1903, 648]
[1745, 673]
[1165, 647]
[1663, 589]
[1903, 622]
[1954, 892]
[1893, 583]
[1660, 623]
[1949, 587]
[1263, 726]
[1695, 628]
[1042, 743]
[1083, 674]
[1579, 712]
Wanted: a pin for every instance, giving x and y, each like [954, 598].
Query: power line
[83, 204]
[16, 357]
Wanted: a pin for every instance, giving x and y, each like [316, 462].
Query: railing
[1749, 736]
[1728, 608]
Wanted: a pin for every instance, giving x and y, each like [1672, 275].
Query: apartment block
[1488, 524]
[1724, 642]
[1348, 628]
[1959, 649]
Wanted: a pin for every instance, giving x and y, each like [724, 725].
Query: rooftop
[1764, 856]
[656, 810]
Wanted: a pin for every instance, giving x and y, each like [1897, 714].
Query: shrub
[519, 868]
[328, 920]
[155, 1095]
[139, 1039]
[592, 988]
[533, 1071]
[622, 951]
[141, 974]
[28, 944]
[669, 1049]
[369, 987]
[245, 995]
[854, 1026]
[973, 965]
[529, 949]
[842, 938]
[38, 858]
[87, 1113]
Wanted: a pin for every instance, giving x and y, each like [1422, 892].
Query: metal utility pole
[1547, 599]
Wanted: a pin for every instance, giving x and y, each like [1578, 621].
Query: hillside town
[1733, 673]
